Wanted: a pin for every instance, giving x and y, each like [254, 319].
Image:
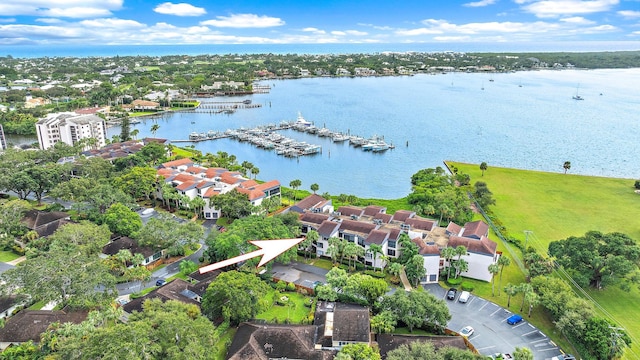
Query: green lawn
[294, 313]
[555, 206]
[220, 349]
[6, 256]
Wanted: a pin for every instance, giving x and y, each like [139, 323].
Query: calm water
[443, 117]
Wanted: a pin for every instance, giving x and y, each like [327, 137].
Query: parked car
[160, 282]
[514, 319]
[564, 357]
[464, 296]
[500, 356]
[467, 331]
[451, 294]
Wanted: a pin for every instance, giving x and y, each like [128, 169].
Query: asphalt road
[492, 333]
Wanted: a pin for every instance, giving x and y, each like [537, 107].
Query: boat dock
[373, 144]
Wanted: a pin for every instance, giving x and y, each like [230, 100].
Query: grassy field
[6, 256]
[555, 206]
[294, 313]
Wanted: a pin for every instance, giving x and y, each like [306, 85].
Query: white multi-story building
[192, 180]
[70, 128]
[372, 225]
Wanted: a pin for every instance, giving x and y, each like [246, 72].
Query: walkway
[405, 281]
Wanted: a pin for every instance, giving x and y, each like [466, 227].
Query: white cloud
[451, 38]
[244, 21]
[118, 24]
[349, 32]
[480, 3]
[49, 21]
[577, 20]
[555, 8]
[8, 20]
[181, 9]
[629, 14]
[314, 31]
[60, 8]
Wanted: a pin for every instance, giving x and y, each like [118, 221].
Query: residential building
[118, 243]
[28, 325]
[70, 128]
[372, 225]
[192, 180]
[334, 325]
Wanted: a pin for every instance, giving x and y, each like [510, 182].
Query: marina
[267, 138]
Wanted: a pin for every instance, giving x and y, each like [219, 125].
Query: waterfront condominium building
[3, 140]
[70, 128]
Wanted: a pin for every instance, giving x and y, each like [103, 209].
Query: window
[320, 245]
[433, 277]
[392, 243]
[391, 252]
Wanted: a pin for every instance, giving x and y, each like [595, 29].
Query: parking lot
[492, 333]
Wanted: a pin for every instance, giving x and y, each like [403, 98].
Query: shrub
[291, 287]
[375, 274]
[454, 282]
[281, 285]
[637, 184]
[467, 286]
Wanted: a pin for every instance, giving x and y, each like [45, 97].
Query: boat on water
[338, 137]
[302, 121]
[577, 95]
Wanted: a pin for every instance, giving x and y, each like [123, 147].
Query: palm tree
[295, 184]
[255, 171]
[566, 166]
[503, 261]
[511, 290]
[461, 266]
[350, 251]
[375, 249]
[461, 250]
[310, 239]
[444, 209]
[315, 187]
[522, 353]
[483, 167]
[493, 269]
[448, 253]
[154, 129]
[532, 299]
[525, 289]
[134, 133]
[198, 204]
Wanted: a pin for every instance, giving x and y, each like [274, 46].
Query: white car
[466, 331]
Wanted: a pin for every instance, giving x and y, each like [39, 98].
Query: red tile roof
[483, 246]
[195, 169]
[377, 237]
[315, 218]
[176, 163]
[350, 210]
[372, 210]
[402, 215]
[186, 185]
[386, 218]
[475, 229]
[421, 223]
[182, 177]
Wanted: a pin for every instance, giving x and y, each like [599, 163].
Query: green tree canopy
[235, 296]
[597, 259]
[233, 204]
[417, 308]
[358, 352]
[122, 220]
[164, 232]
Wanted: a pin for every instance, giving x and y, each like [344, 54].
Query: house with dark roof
[272, 341]
[177, 289]
[313, 203]
[45, 223]
[118, 243]
[9, 303]
[28, 325]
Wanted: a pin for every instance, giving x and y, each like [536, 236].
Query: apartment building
[71, 128]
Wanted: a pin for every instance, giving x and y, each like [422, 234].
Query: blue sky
[128, 22]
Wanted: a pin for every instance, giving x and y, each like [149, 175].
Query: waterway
[524, 120]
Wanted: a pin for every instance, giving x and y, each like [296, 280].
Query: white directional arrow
[269, 249]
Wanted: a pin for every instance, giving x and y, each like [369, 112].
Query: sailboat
[577, 96]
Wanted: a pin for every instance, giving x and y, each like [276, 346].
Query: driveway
[299, 273]
[492, 333]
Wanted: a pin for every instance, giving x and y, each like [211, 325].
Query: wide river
[524, 120]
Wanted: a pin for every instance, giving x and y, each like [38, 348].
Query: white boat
[302, 121]
[338, 137]
[324, 132]
[577, 96]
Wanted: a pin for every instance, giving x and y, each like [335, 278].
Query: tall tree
[122, 220]
[307, 244]
[164, 232]
[315, 187]
[483, 167]
[154, 129]
[597, 259]
[415, 269]
[11, 214]
[235, 296]
[375, 250]
[448, 253]
[493, 269]
[566, 166]
[358, 351]
[525, 289]
[417, 308]
[295, 184]
[233, 204]
[510, 290]
[503, 261]
[125, 129]
[482, 195]
[138, 181]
